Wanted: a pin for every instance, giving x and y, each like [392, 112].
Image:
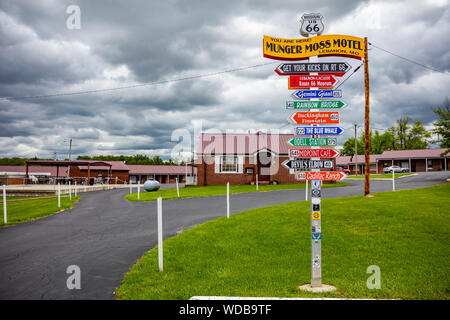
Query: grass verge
[266, 252]
[206, 191]
[23, 211]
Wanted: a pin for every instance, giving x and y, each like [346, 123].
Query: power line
[138, 85]
[411, 61]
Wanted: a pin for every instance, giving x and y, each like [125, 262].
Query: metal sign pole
[316, 245]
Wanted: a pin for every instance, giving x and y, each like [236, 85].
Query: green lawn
[206, 191]
[380, 176]
[22, 211]
[266, 252]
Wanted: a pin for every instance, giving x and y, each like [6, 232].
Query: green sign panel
[331, 104]
[312, 142]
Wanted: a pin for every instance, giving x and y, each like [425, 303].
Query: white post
[139, 187]
[70, 191]
[257, 183]
[76, 189]
[306, 191]
[130, 187]
[178, 189]
[393, 180]
[59, 195]
[228, 200]
[160, 235]
[5, 219]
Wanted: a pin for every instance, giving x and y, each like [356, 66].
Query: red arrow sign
[314, 117]
[322, 175]
[316, 81]
[313, 153]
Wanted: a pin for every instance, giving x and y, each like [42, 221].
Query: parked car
[395, 168]
[340, 169]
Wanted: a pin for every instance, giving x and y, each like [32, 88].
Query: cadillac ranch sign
[314, 117]
[326, 45]
[321, 175]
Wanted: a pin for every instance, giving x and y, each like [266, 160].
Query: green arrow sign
[312, 142]
[331, 104]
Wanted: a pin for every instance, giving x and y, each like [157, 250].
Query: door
[264, 160]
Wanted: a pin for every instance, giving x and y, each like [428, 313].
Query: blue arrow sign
[308, 94]
[324, 131]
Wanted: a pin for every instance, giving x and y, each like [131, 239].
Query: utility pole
[356, 149]
[366, 122]
[70, 148]
[70, 154]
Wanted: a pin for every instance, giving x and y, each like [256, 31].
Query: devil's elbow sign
[327, 45]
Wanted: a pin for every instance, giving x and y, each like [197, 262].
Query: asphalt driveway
[105, 235]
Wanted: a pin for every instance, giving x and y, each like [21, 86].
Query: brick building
[419, 160]
[357, 164]
[91, 172]
[161, 173]
[239, 158]
[101, 174]
[37, 174]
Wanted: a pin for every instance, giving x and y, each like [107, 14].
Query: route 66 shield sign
[311, 24]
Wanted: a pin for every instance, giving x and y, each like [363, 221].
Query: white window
[229, 164]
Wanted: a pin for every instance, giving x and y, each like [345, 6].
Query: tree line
[405, 136]
[136, 159]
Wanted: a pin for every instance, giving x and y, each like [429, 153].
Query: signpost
[312, 142]
[317, 81]
[330, 104]
[308, 164]
[318, 131]
[315, 117]
[335, 68]
[320, 94]
[313, 153]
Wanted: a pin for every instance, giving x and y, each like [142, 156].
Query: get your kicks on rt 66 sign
[317, 80]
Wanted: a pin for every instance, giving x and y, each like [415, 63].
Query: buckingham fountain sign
[312, 77]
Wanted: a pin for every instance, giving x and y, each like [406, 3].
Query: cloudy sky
[129, 43]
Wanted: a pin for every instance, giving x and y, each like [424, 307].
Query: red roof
[417, 153]
[35, 169]
[342, 160]
[243, 143]
[360, 158]
[115, 166]
[155, 169]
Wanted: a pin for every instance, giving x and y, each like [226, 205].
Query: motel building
[92, 172]
[161, 173]
[419, 160]
[242, 158]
